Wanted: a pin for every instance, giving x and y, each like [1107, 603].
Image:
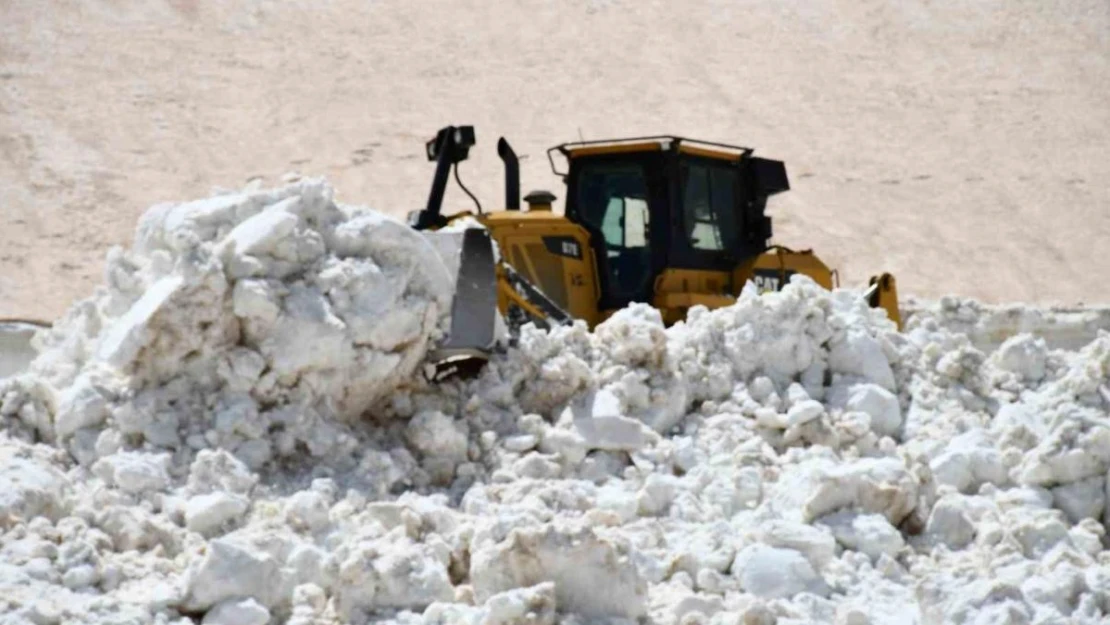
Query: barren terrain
[964, 147]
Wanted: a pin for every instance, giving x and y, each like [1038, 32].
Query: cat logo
[766, 284]
[770, 280]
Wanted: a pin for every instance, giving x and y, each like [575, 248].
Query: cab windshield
[613, 199]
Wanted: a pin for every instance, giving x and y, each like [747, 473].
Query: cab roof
[656, 143]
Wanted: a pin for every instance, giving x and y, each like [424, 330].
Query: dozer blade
[473, 311]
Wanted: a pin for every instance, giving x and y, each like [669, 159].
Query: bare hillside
[966, 148]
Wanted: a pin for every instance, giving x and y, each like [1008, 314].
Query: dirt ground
[963, 146]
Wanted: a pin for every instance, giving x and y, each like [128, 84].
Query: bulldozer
[665, 220]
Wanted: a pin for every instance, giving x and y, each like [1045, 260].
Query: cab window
[709, 205]
[613, 199]
[625, 222]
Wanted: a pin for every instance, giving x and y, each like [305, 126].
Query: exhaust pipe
[512, 174]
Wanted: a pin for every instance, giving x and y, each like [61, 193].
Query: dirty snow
[235, 430]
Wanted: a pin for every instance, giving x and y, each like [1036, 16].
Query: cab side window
[709, 205]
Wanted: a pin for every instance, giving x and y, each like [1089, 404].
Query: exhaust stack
[512, 174]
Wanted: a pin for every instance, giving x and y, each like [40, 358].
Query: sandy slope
[966, 148]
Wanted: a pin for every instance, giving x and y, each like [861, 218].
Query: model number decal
[563, 246]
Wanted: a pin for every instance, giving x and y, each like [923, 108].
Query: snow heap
[988, 326]
[234, 431]
[260, 323]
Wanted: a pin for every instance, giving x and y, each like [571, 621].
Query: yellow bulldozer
[664, 220]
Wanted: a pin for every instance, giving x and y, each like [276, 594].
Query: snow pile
[256, 322]
[198, 450]
[988, 326]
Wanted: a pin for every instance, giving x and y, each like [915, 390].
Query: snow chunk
[1024, 355]
[860, 353]
[308, 509]
[816, 543]
[773, 573]
[435, 434]
[261, 233]
[534, 605]
[120, 345]
[803, 412]
[879, 404]
[80, 406]
[237, 612]
[29, 486]
[1080, 500]
[135, 472]
[635, 335]
[395, 573]
[951, 522]
[879, 485]
[870, 534]
[598, 421]
[442, 442]
[593, 576]
[230, 570]
[217, 471]
[969, 461]
[206, 514]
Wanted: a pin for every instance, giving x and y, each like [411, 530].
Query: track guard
[473, 312]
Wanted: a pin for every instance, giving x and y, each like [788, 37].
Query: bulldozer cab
[666, 203]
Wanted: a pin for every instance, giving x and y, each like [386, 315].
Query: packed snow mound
[252, 321]
[989, 325]
[185, 449]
